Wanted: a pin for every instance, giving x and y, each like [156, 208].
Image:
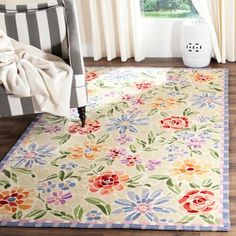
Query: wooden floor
[12, 128]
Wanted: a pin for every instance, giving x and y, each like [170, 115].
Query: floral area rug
[153, 155]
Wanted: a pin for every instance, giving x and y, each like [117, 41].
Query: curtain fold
[220, 16]
[115, 26]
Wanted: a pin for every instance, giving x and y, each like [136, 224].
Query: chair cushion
[43, 26]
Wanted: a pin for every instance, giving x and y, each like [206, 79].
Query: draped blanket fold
[26, 71]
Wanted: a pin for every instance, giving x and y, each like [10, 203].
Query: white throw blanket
[26, 71]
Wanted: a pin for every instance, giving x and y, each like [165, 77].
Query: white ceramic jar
[196, 45]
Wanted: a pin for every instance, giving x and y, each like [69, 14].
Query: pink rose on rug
[175, 122]
[91, 126]
[198, 201]
[143, 85]
[59, 198]
[108, 182]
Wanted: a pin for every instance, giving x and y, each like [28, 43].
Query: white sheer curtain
[115, 26]
[221, 18]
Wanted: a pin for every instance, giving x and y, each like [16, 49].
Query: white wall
[161, 36]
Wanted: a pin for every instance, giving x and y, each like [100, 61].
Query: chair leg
[82, 115]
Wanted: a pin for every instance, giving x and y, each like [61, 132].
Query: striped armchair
[52, 27]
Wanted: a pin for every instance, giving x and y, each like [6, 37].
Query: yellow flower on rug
[189, 169]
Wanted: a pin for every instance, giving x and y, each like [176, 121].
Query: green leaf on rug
[195, 151]
[132, 148]
[174, 188]
[216, 170]
[135, 178]
[159, 177]
[186, 219]
[193, 185]
[61, 175]
[110, 113]
[54, 162]
[63, 138]
[140, 168]
[164, 114]
[141, 142]
[91, 136]
[151, 137]
[53, 176]
[78, 212]
[5, 184]
[210, 219]
[10, 175]
[214, 153]
[68, 175]
[109, 162]
[207, 183]
[62, 215]
[103, 138]
[152, 112]
[215, 187]
[36, 214]
[103, 206]
[23, 171]
[17, 215]
[188, 112]
[100, 168]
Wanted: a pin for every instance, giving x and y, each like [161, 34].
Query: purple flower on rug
[124, 138]
[58, 198]
[126, 122]
[196, 142]
[209, 100]
[46, 187]
[147, 204]
[93, 215]
[52, 129]
[114, 153]
[33, 154]
[66, 185]
[152, 164]
[69, 166]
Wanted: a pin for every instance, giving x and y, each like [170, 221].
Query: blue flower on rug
[69, 166]
[93, 215]
[46, 187]
[209, 100]
[33, 154]
[148, 204]
[127, 122]
[66, 185]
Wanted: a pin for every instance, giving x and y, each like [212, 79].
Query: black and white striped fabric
[40, 25]
[52, 27]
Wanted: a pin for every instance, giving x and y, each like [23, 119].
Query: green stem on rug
[39, 197]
